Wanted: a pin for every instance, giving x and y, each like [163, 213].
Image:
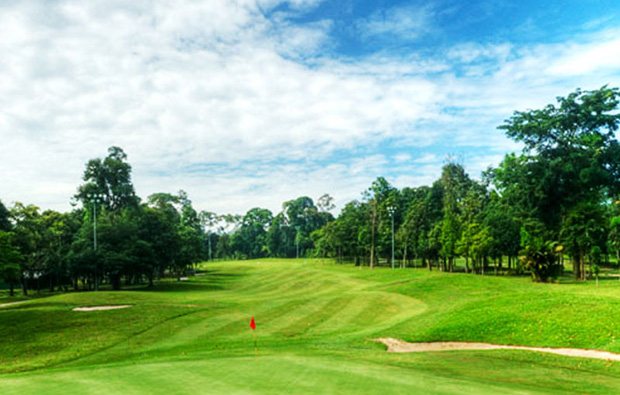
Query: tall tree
[5, 218]
[280, 238]
[416, 222]
[379, 197]
[10, 259]
[249, 241]
[157, 230]
[29, 239]
[302, 218]
[209, 222]
[504, 229]
[570, 157]
[59, 231]
[190, 233]
[325, 203]
[111, 178]
[455, 185]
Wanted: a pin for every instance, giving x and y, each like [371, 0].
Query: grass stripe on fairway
[314, 324]
[264, 375]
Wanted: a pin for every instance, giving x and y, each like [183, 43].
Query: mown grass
[315, 321]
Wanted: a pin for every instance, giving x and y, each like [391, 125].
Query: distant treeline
[558, 198]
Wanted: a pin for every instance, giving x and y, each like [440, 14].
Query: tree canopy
[559, 196]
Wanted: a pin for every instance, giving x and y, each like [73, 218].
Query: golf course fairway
[315, 325]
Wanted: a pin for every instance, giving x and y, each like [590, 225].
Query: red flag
[252, 324]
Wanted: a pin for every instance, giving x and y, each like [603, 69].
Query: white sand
[395, 345]
[95, 308]
[12, 303]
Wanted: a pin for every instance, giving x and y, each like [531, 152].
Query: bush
[541, 259]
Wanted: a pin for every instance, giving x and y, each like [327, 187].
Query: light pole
[95, 198]
[392, 210]
[210, 253]
[297, 241]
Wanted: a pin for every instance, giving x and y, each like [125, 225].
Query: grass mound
[314, 325]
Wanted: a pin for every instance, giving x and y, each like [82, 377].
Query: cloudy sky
[246, 103]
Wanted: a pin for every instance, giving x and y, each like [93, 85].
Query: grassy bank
[314, 325]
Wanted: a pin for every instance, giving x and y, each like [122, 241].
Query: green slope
[314, 325]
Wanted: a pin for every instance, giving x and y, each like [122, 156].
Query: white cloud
[427, 158]
[173, 90]
[401, 158]
[302, 41]
[212, 97]
[588, 58]
[407, 22]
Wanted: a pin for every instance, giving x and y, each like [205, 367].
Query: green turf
[314, 325]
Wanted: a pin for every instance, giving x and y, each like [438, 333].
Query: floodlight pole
[210, 253]
[392, 210]
[95, 199]
[95, 226]
[297, 242]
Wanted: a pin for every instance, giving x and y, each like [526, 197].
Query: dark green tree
[582, 230]
[10, 260]
[249, 241]
[614, 235]
[29, 238]
[571, 157]
[503, 228]
[416, 222]
[190, 234]
[5, 218]
[541, 258]
[110, 177]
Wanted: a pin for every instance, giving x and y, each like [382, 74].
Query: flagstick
[255, 348]
[253, 326]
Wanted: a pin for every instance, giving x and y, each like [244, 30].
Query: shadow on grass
[182, 287]
[210, 281]
[35, 306]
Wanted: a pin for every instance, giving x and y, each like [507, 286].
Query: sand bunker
[12, 303]
[395, 345]
[95, 308]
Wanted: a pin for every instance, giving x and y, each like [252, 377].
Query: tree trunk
[466, 263]
[59, 281]
[576, 267]
[11, 289]
[372, 232]
[24, 286]
[116, 282]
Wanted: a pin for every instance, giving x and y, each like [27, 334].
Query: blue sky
[246, 103]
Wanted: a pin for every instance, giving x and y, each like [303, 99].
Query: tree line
[113, 238]
[556, 199]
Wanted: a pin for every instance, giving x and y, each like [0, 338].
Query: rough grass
[314, 321]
